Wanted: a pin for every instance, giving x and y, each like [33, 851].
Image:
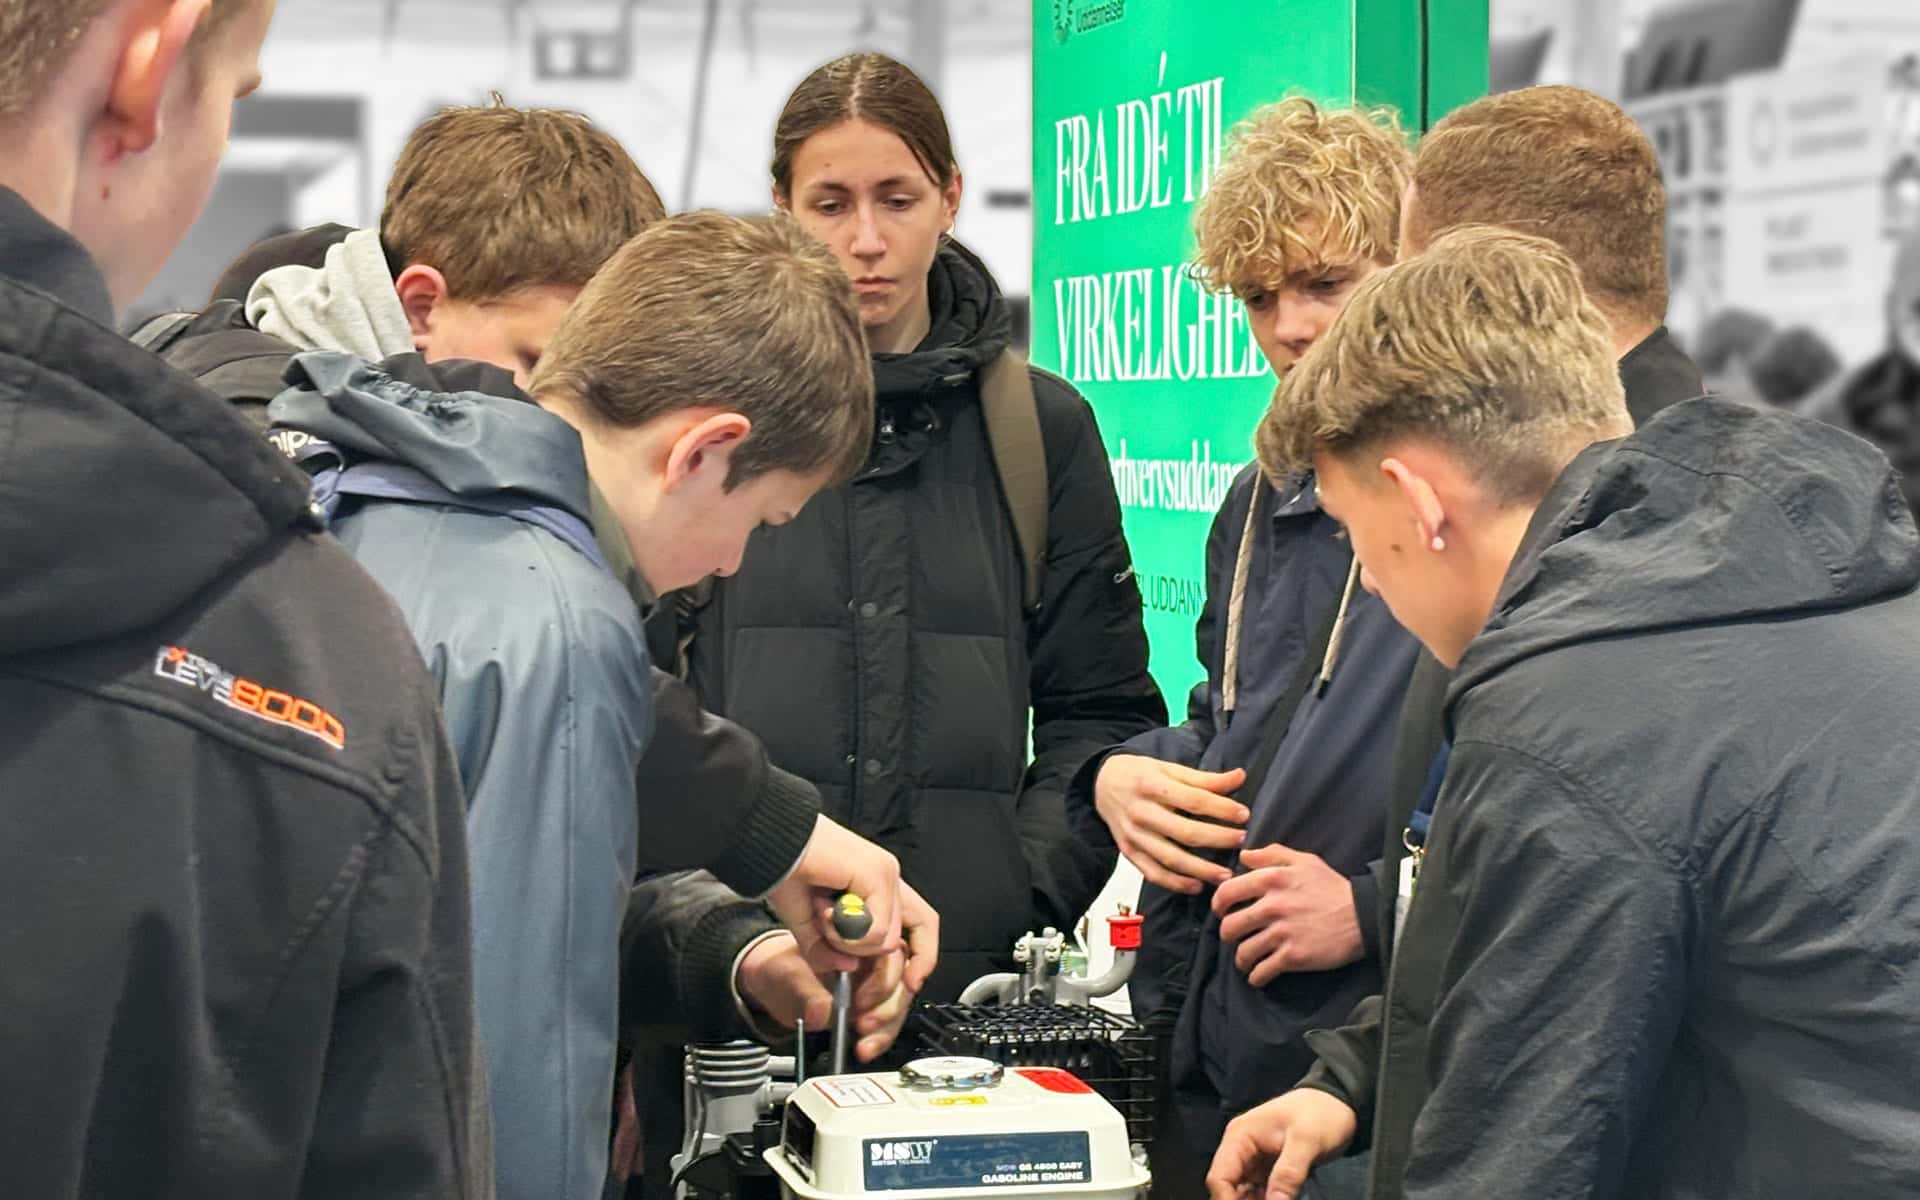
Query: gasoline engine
[1021, 1091]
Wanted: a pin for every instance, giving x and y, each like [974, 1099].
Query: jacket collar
[1295, 498]
[42, 256]
[1657, 374]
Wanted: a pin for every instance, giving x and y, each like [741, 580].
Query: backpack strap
[396, 481]
[1020, 460]
[223, 354]
[157, 333]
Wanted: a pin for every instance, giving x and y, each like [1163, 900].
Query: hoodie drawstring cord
[1236, 605]
[1339, 626]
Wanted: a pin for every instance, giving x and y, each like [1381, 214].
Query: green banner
[1132, 104]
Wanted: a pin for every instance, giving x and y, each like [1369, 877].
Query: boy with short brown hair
[697, 406]
[495, 218]
[1573, 167]
[498, 198]
[770, 349]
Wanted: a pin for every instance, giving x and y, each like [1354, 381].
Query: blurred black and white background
[1789, 131]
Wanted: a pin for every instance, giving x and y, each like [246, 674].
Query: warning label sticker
[853, 1092]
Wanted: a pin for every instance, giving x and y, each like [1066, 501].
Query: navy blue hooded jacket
[1325, 792]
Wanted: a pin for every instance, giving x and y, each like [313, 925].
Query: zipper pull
[1416, 851]
[886, 426]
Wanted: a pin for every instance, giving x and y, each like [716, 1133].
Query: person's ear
[782, 201]
[155, 38]
[1409, 245]
[1424, 510]
[704, 448]
[950, 199]
[421, 289]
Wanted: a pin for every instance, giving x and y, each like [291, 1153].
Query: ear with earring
[1439, 543]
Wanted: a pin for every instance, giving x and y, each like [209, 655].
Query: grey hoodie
[348, 304]
[544, 683]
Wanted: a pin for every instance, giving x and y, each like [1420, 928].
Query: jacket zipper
[1386, 1005]
[855, 766]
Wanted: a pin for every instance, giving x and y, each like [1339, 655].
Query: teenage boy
[709, 381]
[1255, 821]
[1571, 166]
[1669, 937]
[235, 866]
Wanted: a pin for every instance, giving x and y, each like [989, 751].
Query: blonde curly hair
[1302, 186]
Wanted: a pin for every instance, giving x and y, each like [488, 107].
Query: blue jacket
[1325, 792]
[543, 679]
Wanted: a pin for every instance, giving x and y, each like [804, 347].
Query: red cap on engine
[1123, 931]
[1055, 1080]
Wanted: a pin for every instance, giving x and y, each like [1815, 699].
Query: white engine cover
[1037, 1132]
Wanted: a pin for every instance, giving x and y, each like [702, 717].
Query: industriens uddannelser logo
[1082, 16]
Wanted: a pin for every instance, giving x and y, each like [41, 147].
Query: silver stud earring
[1439, 543]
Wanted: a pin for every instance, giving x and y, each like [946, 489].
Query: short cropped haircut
[38, 37]
[1560, 163]
[742, 315]
[1302, 186]
[498, 198]
[1486, 344]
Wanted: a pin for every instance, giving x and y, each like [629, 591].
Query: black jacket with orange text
[232, 840]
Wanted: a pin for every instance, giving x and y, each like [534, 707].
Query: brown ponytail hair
[865, 87]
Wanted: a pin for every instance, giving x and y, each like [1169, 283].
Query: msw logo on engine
[900, 1154]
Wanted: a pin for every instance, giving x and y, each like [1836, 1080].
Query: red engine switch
[1124, 931]
[1055, 1080]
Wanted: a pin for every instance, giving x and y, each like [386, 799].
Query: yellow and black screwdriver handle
[852, 921]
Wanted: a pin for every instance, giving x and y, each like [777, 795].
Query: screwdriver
[851, 921]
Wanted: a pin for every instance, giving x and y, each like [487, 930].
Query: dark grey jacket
[1657, 375]
[1663, 940]
[232, 856]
